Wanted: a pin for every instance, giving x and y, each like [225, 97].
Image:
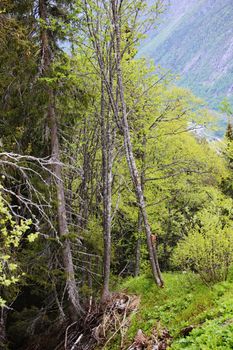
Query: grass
[184, 301]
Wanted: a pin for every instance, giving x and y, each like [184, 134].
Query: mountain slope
[195, 40]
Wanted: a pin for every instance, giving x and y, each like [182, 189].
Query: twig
[77, 341]
[120, 327]
[66, 336]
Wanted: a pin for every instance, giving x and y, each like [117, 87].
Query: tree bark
[107, 139]
[140, 218]
[129, 150]
[138, 246]
[3, 337]
[73, 297]
[107, 161]
[46, 54]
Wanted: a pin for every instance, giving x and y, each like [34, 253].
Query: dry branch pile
[101, 324]
[160, 339]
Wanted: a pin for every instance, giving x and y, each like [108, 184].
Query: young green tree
[11, 236]
[207, 249]
[111, 21]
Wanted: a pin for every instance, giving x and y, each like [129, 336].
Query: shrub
[208, 249]
[11, 234]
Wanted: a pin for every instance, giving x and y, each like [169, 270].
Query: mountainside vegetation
[185, 315]
[116, 216]
[194, 40]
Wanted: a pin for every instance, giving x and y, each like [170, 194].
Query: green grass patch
[184, 301]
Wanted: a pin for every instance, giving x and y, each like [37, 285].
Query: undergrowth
[184, 301]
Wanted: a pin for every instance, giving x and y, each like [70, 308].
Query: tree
[226, 108]
[12, 234]
[112, 27]
[207, 249]
[47, 54]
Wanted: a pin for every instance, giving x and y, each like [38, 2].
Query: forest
[116, 213]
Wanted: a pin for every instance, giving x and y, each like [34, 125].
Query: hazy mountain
[195, 40]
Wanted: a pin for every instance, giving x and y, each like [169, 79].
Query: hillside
[195, 40]
[116, 203]
[185, 315]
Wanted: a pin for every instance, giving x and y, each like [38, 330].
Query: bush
[208, 249]
[11, 236]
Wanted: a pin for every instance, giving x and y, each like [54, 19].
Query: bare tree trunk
[3, 338]
[138, 245]
[129, 150]
[73, 296]
[140, 218]
[107, 139]
[89, 276]
[107, 161]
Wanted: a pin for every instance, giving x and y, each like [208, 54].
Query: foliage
[215, 329]
[185, 301]
[207, 249]
[174, 307]
[186, 179]
[11, 236]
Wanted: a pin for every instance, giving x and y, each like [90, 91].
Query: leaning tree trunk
[140, 218]
[129, 150]
[73, 296]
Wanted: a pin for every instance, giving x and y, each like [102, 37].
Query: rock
[187, 330]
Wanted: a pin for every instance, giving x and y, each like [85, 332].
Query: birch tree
[117, 21]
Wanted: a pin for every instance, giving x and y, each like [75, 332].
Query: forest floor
[186, 314]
